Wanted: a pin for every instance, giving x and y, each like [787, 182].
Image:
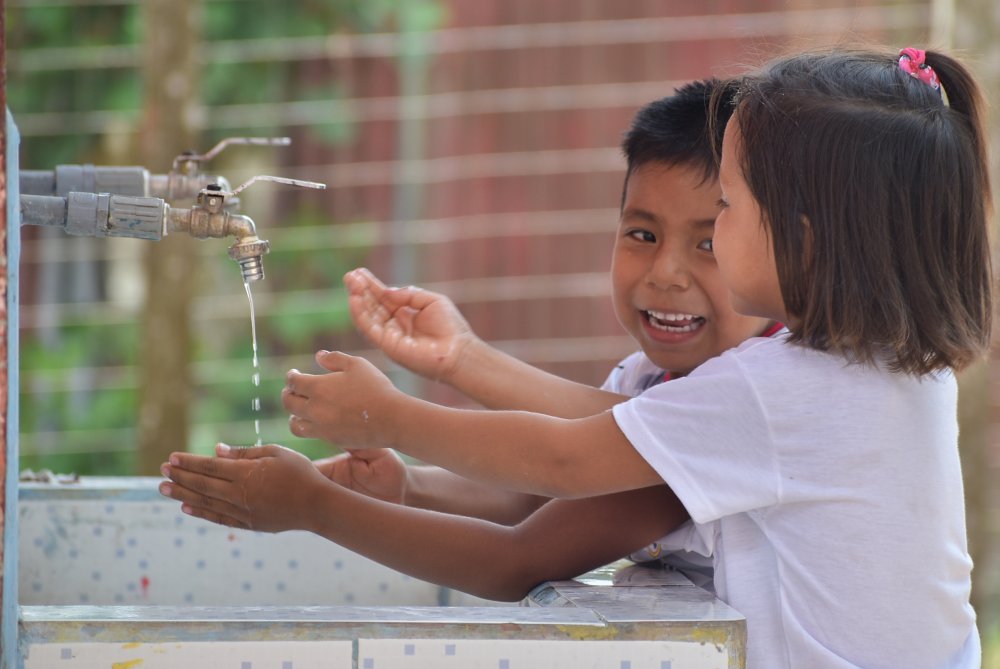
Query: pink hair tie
[912, 62]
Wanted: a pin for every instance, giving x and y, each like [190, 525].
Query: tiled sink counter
[114, 576]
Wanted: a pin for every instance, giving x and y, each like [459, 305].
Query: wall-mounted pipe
[136, 181]
[105, 215]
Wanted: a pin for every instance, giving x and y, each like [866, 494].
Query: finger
[247, 453]
[304, 385]
[222, 490]
[204, 465]
[295, 404]
[301, 427]
[293, 379]
[193, 500]
[333, 361]
[215, 517]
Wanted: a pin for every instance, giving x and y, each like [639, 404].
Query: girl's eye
[641, 235]
[722, 203]
[706, 245]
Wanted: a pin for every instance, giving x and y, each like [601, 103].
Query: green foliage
[79, 401]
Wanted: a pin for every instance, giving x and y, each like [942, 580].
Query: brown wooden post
[170, 77]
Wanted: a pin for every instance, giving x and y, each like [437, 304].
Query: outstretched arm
[273, 489]
[382, 474]
[425, 332]
[356, 406]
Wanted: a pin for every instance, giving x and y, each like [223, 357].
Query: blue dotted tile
[369, 663]
[65, 653]
[200, 564]
[109, 509]
[258, 564]
[120, 553]
[449, 649]
[293, 564]
[409, 649]
[503, 664]
[625, 664]
[179, 541]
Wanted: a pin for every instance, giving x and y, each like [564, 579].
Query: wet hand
[379, 473]
[419, 329]
[351, 406]
[267, 488]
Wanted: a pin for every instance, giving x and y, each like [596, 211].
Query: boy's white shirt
[682, 549]
[830, 495]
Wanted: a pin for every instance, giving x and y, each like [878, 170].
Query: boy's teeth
[673, 322]
[664, 316]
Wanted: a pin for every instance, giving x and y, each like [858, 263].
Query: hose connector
[249, 252]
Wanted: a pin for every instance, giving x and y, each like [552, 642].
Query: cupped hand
[378, 472]
[266, 488]
[418, 329]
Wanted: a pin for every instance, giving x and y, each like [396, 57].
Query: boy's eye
[642, 235]
[706, 245]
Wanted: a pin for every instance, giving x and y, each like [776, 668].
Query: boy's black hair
[680, 129]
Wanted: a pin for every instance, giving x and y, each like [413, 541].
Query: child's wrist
[469, 351]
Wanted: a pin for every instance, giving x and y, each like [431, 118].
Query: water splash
[255, 405]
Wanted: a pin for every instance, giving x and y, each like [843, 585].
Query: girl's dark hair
[678, 129]
[876, 196]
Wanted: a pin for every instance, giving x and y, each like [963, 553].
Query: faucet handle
[191, 157]
[264, 177]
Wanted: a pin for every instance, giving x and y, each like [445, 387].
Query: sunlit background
[468, 146]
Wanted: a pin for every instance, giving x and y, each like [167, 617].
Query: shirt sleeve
[708, 438]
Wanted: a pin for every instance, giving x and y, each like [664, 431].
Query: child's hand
[350, 407]
[267, 488]
[378, 473]
[420, 330]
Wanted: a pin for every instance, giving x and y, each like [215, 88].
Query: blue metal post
[9, 656]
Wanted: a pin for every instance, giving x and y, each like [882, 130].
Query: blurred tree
[170, 74]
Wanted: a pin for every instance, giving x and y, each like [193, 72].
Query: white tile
[193, 655]
[526, 654]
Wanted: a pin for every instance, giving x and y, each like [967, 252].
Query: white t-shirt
[830, 495]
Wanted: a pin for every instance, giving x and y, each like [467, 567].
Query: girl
[821, 469]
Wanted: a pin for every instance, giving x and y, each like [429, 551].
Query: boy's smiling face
[666, 287]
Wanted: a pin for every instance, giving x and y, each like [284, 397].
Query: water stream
[256, 366]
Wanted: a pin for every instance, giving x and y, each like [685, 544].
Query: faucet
[74, 198]
[211, 218]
